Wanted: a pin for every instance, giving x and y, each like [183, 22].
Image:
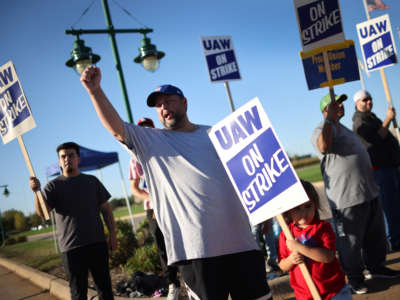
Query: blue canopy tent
[90, 160]
[95, 160]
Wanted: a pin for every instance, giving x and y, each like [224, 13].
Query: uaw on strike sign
[319, 23]
[256, 163]
[220, 58]
[15, 115]
[377, 43]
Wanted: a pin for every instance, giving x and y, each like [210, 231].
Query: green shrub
[127, 244]
[145, 259]
[10, 241]
[21, 239]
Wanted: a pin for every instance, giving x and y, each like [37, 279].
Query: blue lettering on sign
[13, 108]
[222, 44]
[373, 29]
[6, 77]
[261, 171]
[239, 129]
[380, 52]
[319, 20]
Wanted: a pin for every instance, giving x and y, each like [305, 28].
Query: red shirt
[329, 278]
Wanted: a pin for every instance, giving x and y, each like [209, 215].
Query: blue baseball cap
[163, 89]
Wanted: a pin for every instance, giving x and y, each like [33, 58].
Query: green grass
[40, 255]
[310, 173]
[123, 211]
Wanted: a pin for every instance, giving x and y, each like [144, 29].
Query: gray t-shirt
[346, 169]
[76, 201]
[194, 202]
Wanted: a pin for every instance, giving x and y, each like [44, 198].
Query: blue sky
[267, 46]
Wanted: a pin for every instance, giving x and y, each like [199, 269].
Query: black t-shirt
[383, 152]
[76, 201]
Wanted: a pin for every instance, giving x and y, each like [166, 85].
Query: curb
[56, 286]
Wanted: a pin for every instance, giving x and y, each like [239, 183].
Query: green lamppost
[6, 193]
[82, 56]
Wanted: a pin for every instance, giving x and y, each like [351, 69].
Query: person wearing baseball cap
[146, 122]
[327, 99]
[384, 152]
[206, 230]
[352, 194]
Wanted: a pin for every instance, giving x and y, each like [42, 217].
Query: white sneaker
[173, 292]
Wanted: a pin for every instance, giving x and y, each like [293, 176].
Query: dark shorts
[240, 275]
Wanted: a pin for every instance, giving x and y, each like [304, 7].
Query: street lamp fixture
[149, 56]
[81, 56]
[6, 192]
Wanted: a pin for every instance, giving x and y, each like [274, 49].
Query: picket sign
[221, 61]
[384, 80]
[259, 168]
[15, 116]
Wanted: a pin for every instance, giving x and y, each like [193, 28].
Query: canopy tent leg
[126, 198]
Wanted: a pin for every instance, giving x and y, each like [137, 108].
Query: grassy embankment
[41, 254]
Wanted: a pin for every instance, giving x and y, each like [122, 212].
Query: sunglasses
[366, 99]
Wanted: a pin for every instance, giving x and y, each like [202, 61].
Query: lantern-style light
[81, 56]
[148, 55]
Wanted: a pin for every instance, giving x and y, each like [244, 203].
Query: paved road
[14, 287]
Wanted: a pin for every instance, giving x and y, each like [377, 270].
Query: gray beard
[173, 123]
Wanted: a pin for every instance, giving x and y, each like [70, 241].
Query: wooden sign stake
[32, 173]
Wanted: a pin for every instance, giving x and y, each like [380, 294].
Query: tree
[35, 220]
[20, 222]
[8, 219]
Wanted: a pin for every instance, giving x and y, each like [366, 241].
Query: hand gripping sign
[15, 116]
[259, 168]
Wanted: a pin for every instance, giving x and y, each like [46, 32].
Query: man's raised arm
[90, 79]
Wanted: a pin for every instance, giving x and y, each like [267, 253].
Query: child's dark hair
[312, 195]
[69, 145]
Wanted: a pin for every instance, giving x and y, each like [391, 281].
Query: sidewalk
[13, 286]
[21, 282]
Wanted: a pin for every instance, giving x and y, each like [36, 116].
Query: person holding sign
[384, 151]
[315, 245]
[353, 196]
[77, 200]
[206, 230]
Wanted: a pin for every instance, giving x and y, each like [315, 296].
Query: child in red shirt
[315, 245]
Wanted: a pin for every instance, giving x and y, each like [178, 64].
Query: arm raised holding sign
[332, 111]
